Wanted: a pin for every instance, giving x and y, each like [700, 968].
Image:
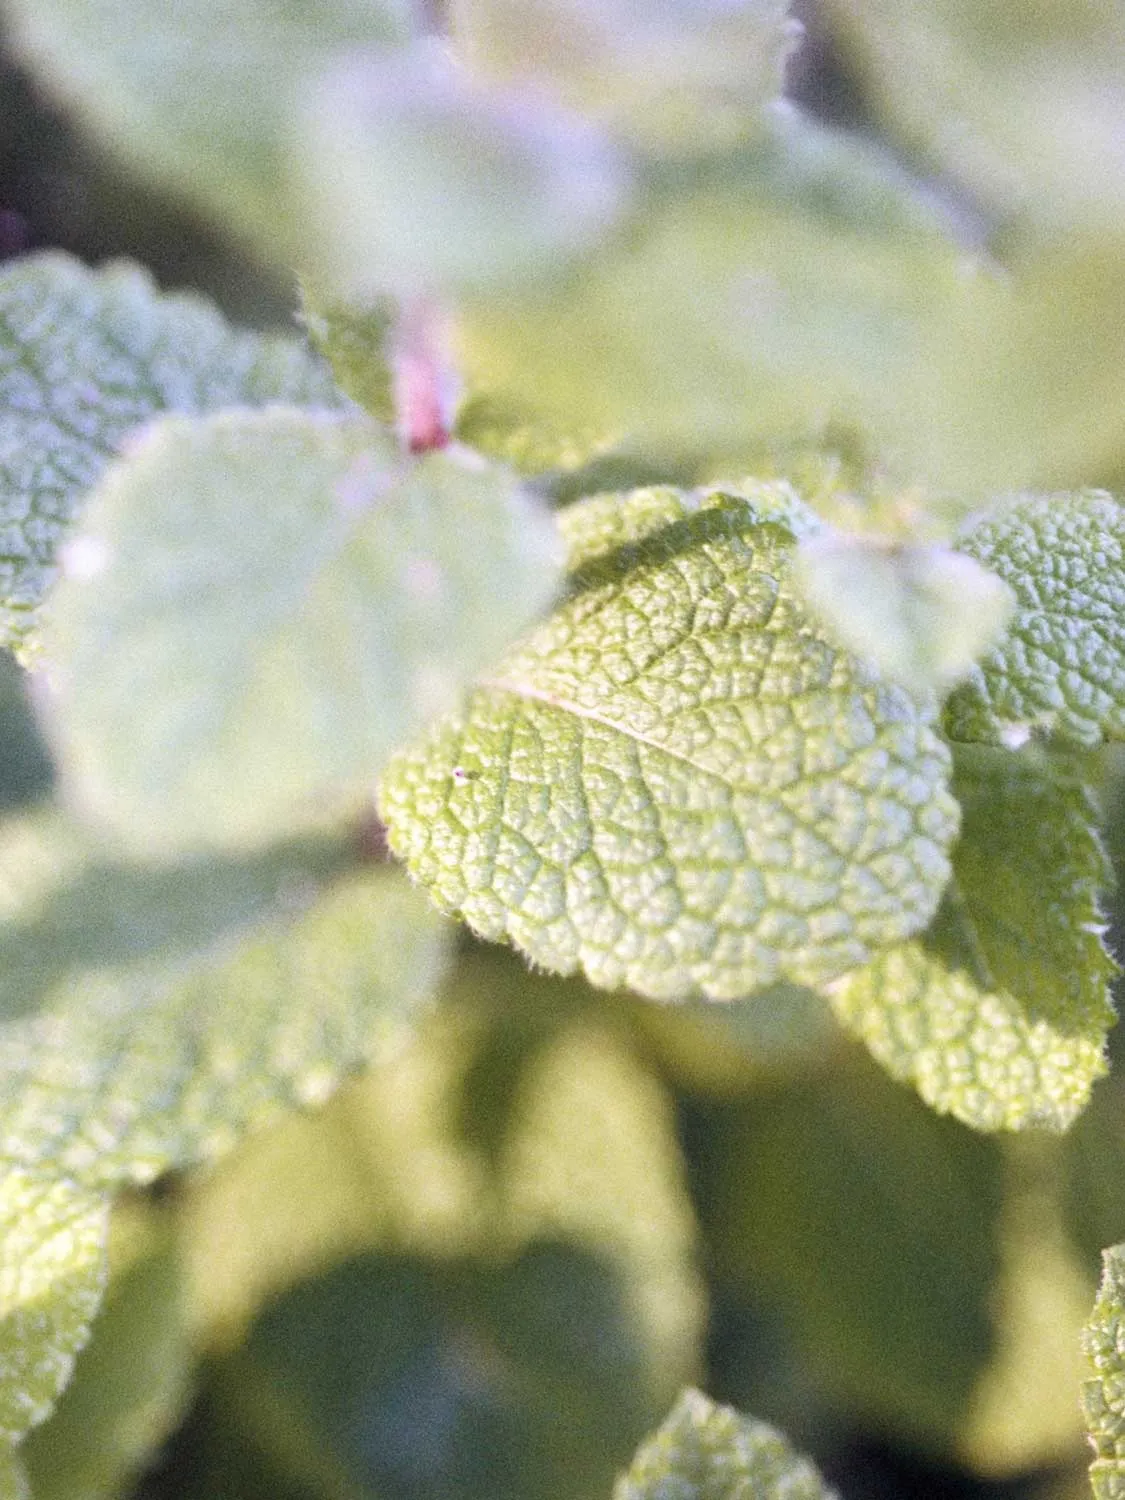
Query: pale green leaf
[675, 783]
[999, 1013]
[85, 356]
[417, 179]
[13, 1475]
[261, 605]
[126, 1076]
[1103, 1396]
[703, 1451]
[52, 1273]
[674, 77]
[199, 94]
[921, 613]
[73, 916]
[356, 342]
[130, 1387]
[1060, 668]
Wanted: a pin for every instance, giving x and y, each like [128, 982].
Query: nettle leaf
[52, 1273]
[673, 77]
[1060, 668]
[998, 1014]
[85, 356]
[710, 1452]
[675, 783]
[356, 343]
[1103, 1397]
[261, 605]
[126, 1076]
[199, 97]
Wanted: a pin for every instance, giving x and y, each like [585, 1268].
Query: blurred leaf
[1103, 1396]
[672, 75]
[126, 1076]
[999, 1013]
[355, 342]
[197, 96]
[640, 788]
[416, 179]
[129, 1388]
[13, 1476]
[26, 771]
[263, 604]
[52, 1273]
[75, 918]
[921, 613]
[515, 433]
[1040, 112]
[708, 1452]
[871, 1223]
[1060, 668]
[85, 357]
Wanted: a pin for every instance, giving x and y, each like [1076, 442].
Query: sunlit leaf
[1103, 1396]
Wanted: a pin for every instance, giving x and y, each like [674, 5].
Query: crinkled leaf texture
[999, 1013]
[708, 1452]
[1103, 1396]
[1060, 667]
[675, 783]
[261, 605]
[52, 1272]
[85, 356]
[196, 94]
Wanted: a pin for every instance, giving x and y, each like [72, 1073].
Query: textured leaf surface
[263, 605]
[1103, 1396]
[999, 1013]
[72, 916]
[708, 1452]
[1060, 668]
[675, 783]
[52, 1272]
[85, 356]
[199, 95]
[125, 1077]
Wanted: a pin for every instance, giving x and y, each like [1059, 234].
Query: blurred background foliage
[487, 1266]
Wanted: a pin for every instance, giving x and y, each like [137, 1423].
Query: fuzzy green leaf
[356, 343]
[261, 605]
[52, 1273]
[674, 77]
[999, 1013]
[1060, 668]
[85, 356]
[125, 1076]
[709, 1452]
[1103, 1397]
[676, 783]
[198, 96]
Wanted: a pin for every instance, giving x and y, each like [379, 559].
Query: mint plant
[680, 548]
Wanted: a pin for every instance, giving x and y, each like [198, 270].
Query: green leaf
[13, 1476]
[707, 1452]
[199, 99]
[356, 343]
[676, 784]
[261, 606]
[125, 1076]
[26, 772]
[52, 1272]
[672, 77]
[921, 613]
[418, 180]
[86, 356]
[76, 918]
[1103, 1396]
[130, 1386]
[1060, 668]
[999, 1013]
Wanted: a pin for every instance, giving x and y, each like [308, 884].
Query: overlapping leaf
[199, 96]
[1103, 1396]
[676, 784]
[1060, 668]
[85, 356]
[262, 605]
[999, 1013]
[710, 1452]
